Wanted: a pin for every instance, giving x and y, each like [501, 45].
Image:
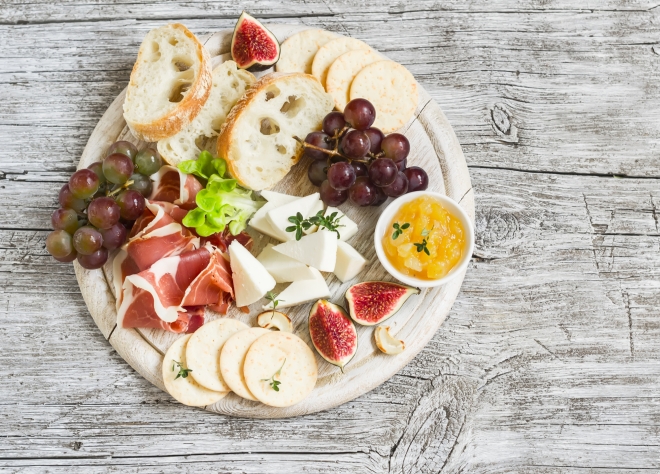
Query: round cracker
[330, 51]
[203, 352]
[232, 359]
[185, 390]
[343, 70]
[298, 51]
[392, 89]
[298, 372]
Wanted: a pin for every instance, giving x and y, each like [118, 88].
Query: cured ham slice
[172, 293]
[148, 247]
[213, 286]
[172, 239]
[171, 185]
[157, 214]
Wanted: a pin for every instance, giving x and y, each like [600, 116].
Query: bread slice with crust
[170, 82]
[229, 85]
[257, 138]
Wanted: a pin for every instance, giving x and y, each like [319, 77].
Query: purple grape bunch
[352, 160]
[99, 202]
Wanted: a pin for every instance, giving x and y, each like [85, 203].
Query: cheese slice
[279, 199]
[302, 291]
[259, 222]
[349, 228]
[251, 280]
[318, 250]
[349, 262]
[284, 268]
[279, 217]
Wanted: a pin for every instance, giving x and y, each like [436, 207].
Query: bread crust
[190, 105]
[228, 128]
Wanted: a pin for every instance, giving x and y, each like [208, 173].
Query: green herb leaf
[330, 223]
[183, 372]
[422, 247]
[274, 383]
[398, 229]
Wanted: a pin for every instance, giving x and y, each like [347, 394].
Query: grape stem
[332, 153]
[123, 186]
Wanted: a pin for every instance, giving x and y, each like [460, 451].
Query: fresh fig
[333, 333]
[372, 302]
[253, 47]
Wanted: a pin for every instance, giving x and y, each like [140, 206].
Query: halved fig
[386, 342]
[372, 302]
[253, 46]
[333, 333]
[275, 319]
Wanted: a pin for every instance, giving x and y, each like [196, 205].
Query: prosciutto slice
[213, 286]
[148, 247]
[171, 185]
[172, 293]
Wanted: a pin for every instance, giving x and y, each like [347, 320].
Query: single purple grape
[330, 196]
[363, 192]
[360, 113]
[65, 219]
[418, 180]
[59, 243]
[321, 140]
[399, 187]
[317, 172]
[401, 165]
[114, 237]
[341, 176]
[69, 201]
[123, 147]
[131, 204]
[87, 240]
[355, 144]
[84, 183]
[395, 146]
[94, 260]
[103, 212]
[375, 138]
[382, 172]
[333, 123]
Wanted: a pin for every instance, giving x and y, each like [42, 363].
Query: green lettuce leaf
[223, 203]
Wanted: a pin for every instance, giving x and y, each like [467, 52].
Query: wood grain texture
[548, 361]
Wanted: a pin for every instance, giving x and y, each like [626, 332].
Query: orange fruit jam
[424, 240]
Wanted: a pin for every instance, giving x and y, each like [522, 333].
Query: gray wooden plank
[548, 361]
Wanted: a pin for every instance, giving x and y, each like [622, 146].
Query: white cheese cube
[349, 262]
[349, 228]
[318, 250]
[251, 280]
[302, 291]
[284, 268]
[279, 217]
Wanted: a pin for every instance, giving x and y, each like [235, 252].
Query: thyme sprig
[272, 297]
[272, 381]
[183, 371]
[300, 224]
[398, 229]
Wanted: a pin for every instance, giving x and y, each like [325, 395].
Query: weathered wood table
[549, 361]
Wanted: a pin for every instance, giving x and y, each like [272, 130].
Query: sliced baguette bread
[257, 138]
[229, 84]
[170, 82]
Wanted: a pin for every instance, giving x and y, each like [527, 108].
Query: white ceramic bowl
[383, 227]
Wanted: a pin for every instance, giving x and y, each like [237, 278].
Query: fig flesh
[253, 46]
[372, 302]
[333, 333]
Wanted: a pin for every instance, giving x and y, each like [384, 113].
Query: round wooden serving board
[434, 147]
